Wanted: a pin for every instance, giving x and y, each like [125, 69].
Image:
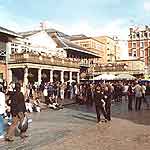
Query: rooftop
[9, 32]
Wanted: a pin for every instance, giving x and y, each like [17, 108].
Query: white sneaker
[2, 136]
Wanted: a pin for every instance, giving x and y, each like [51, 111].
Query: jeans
[138, 102]
[1, 125]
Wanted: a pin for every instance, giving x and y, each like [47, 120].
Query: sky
[90, 17]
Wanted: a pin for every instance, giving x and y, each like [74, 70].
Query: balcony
[118, 68]
[18, 58]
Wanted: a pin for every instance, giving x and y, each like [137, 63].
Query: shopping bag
[23, 126]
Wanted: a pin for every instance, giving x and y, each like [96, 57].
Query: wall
[3, 69]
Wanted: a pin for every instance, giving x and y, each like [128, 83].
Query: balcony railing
[117, 68]
[42, 60]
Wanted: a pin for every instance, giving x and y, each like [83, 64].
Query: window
[138, 35]
[145, 34]
[142, 44]
[130, 53]
[142, 35]
[134, 53]
[85, 45]
[133, 36]
[1, 75]
[134, 45]
[142, 53]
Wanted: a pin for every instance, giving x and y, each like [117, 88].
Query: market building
[45, 55]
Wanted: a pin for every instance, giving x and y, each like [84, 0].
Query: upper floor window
[141, 53]
[134, 54]
[138, 35]
[145, 34]
[85, 45]
[142, 35]
[134, 45]
[142, 44]
[133, 36]
[130, 53]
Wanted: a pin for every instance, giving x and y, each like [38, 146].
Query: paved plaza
[75, 128]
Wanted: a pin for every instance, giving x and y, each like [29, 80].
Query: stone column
[78, 77]
[9, 76]
[39, 76]
[8, 72]
[25, 76]
[62, 76]
[70, 77]
[51, 75]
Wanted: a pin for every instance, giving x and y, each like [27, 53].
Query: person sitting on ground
[36, 106]
[53, 104]
[29, 105]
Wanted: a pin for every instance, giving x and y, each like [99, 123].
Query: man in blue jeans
[2, 111]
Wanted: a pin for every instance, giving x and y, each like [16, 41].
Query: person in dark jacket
[107, 99]
[130, 97]
[18, 111]
[100, 103]
[147, 95]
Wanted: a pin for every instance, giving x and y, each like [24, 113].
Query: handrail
[39, 59]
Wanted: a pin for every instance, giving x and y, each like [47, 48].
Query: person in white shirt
[2, 111]
[125, 91]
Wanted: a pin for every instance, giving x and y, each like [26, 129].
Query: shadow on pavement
[119, 110]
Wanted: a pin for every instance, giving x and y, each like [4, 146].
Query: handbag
[23, 125]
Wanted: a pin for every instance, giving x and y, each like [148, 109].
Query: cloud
[147, 6]
[116, 27]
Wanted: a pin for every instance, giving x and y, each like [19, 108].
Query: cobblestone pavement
[75, 128]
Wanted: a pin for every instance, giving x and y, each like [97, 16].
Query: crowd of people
[17, 100]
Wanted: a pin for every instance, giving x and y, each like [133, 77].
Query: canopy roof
[126, 76]
[105, 77]
[63, 41]
[9, 32]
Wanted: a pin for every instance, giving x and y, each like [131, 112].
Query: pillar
[9, 75]
[39, 76]
[78, 77]
[62, 76]
[70, 77]
[25, 76]
[8, 71]
[51, 75]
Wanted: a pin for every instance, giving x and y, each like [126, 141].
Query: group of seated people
[32, 107]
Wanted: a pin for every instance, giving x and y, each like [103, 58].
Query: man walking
[138, 96]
